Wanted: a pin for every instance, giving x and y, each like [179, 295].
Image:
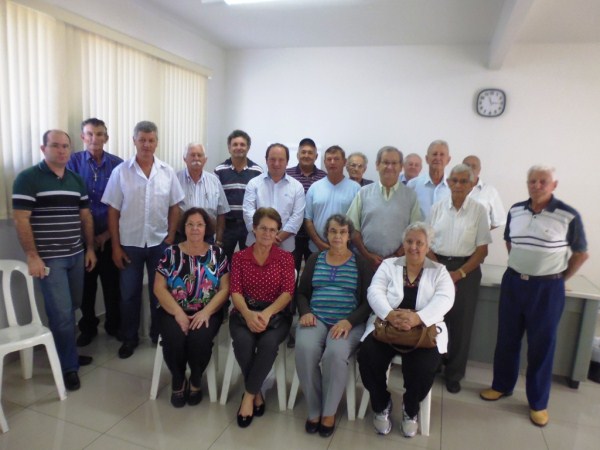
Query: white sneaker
[382, 420]
[410, 425]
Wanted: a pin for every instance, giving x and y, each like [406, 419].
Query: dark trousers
[235, 233]
[533, 306]
[193, 349]
[418, 370]
[109, 278]
[460, 319]
[301, 252]
[256, 352]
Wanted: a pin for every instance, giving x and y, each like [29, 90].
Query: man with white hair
[412, 168]
[203, 189]
[486, 194]
[546, 246]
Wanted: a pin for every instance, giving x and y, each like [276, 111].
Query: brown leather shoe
[539, 418]
[491, 395]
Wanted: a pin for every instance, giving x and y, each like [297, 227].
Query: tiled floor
[112, 411]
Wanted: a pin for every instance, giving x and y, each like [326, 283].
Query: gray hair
[413, 155]
[145, 126]
[362, 155]
[424, 228]
[542, 168]
[462, 168]
[438, 142]
[343, 220]
[192, 145]
[388, 149]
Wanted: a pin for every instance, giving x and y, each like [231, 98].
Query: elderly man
[356, 167]
[143, 196]
[203, 189]
[432, 187]
[385, 205]
[234, 174]
[486, 194]
[51, 214]
[306, 172]
[95, 165]
[462, 235]
[546, 246]
[331, 195]
[412, 168]
[277, 190]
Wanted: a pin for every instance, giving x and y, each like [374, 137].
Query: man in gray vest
[385, 205]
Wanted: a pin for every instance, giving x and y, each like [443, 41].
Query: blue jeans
[62, 290]
[131, 281]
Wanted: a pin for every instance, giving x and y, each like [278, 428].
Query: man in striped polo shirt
[51, 214]
[546, 246]
[234, 174]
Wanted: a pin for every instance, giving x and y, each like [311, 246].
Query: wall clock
[490, 102]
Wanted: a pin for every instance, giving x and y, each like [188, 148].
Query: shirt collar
[382, 188]
[551, 206]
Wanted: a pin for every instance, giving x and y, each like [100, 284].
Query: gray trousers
[324, 386]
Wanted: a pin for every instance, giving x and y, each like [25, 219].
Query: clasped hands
[339, 330]
[257, 321]
[193, 322]
[403, 319]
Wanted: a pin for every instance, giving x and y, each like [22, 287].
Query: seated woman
[333, 307]
[192, 285]
[406, 291]
[262, 285]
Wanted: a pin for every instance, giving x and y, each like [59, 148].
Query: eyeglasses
[268, 230]
[355, 166]
[459, 180]
[195, 225]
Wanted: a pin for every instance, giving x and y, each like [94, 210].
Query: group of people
[340, 250]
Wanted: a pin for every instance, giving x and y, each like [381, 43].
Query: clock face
[491, 102]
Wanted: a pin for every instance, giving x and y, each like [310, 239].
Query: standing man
[51, 214]
[412, 167]
[331, 195]
[432, 187]
[386, 205]
[276, 190]
[95, 165]
[306, 172]
[486, 194]
[356, 167]
[143, 196]
[234, 174]
[203, 189]
[546, 246]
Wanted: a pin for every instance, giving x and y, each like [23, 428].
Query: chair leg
[280, 375]
[351, 389]
[294, 390]
[211, 375]
[364, 402]
[3, 422]
[56, 369]
[158, 362]
[228, 373]
[424, 414]
[26, 356]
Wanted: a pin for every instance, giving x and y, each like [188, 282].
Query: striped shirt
[306, 181]
[334, 288]
[207, 193]
[55, 204]
[234, 183]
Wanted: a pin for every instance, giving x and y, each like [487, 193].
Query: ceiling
[326, 23]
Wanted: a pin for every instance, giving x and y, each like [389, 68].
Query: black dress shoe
[85, 339]
[453, 386]
[84, 360]
[325, 431]
[179, 398]
[311, 427]
[259, 410]
[72, 382]
[243, 421]
[194, 397]
[126, 350]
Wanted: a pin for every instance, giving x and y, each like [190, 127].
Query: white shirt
[207, 193]
[488, 196]
[286, 196]
[435, 296]
[459, 233]
[428, 193]
[143, 201]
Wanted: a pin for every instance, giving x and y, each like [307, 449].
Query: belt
[555, 276]
[451, 258]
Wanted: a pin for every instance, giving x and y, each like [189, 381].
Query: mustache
[195, 163]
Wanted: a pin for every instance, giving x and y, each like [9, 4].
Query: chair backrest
[8, 267]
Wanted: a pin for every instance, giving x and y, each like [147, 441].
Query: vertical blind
[54, 75]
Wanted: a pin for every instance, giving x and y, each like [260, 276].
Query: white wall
[364, 98]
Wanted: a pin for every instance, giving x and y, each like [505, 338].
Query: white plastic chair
[350, 389]
[278, 366]
[211, 371]
[424, 410]
[23, 338]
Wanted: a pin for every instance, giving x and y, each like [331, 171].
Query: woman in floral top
[192, 285]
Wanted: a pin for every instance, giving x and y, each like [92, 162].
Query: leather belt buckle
[524, 277]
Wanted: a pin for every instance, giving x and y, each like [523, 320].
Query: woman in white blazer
[406, 291]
